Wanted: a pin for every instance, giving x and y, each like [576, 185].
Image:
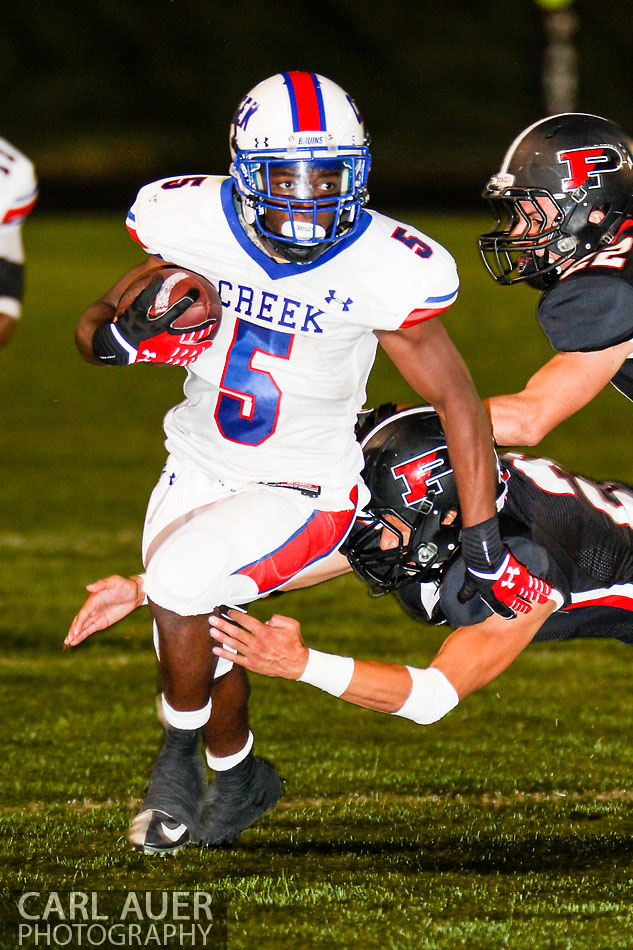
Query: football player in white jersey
[18, 194]
[262, 479]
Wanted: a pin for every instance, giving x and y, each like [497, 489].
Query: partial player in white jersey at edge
[18, 194]
[262, 479]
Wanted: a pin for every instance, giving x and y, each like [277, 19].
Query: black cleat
[231, 806]
[171, 806]
[156, 832]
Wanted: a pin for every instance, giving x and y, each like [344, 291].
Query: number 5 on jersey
[248, 407]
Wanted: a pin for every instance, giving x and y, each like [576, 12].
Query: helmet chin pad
[296, 253]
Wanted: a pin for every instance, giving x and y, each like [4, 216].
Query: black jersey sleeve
[623, 379]
[587, 312]
[533, 555]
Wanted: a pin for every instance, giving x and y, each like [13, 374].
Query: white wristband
[431, 696]
[142, 579]
[328, 671]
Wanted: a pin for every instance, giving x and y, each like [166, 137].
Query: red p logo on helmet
[586, 165]
[420, 473]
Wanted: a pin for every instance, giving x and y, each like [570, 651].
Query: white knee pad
[186, 572]
[182, 568]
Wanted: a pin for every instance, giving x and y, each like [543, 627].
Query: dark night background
[105, 95]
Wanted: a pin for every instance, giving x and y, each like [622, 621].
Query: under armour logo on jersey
[261, 143]
[586, 165]
[171, 476]
[345, 304]
[421, 473]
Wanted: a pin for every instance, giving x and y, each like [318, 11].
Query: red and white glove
[492, 571]
[174, 350]
[510, 590]
[134, 337]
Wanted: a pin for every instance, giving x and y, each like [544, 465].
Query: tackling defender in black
[563, 202]
[575, 533]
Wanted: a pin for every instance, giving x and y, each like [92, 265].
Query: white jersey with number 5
[275, 399]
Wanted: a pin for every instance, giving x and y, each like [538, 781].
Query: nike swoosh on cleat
[173, 833]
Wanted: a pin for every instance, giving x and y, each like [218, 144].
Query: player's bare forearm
[555, 392]
[472, 656]
[103, 309]
[431, 364]
[383, 687]
[332, 566]
[277, 649]
[470, 446]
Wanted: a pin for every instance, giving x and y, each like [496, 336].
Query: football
[177, 283]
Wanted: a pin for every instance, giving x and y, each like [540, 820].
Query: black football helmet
[409, 475]
[554, 175]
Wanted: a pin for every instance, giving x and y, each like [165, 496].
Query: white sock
[225, 762]
[185, 718]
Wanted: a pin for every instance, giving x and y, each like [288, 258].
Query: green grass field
[506, 825]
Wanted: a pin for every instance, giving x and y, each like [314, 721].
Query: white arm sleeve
[431, 696]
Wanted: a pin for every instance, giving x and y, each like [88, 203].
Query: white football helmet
[300, 160]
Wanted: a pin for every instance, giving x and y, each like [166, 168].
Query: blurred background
[107, 94]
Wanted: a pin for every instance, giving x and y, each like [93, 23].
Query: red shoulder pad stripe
[419, 316]
[14, 214]
[135, 236]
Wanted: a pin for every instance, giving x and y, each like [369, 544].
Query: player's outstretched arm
[555, 392]
[110, 599]
[332, 566]
[471, 657]
[276, 648]
[468, 659]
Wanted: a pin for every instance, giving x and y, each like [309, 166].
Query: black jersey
[574, 532]
[591, 306]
